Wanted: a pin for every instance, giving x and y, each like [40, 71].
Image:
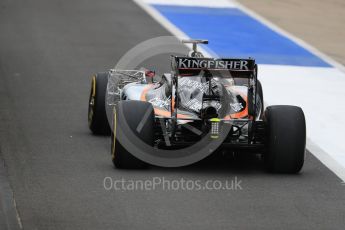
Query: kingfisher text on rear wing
[215, 64]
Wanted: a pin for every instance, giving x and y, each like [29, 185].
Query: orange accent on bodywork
[243, 113]
[146, 89]
[165, 113]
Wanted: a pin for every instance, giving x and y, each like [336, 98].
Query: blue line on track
[232, 33]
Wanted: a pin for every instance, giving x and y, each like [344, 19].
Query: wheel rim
[113, 137]
[92, 100]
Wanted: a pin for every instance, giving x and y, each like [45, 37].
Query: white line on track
[326, 159]
[7, 202]
[169, 26]
[199, 3]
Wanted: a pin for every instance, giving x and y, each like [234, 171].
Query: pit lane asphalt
[56, 168]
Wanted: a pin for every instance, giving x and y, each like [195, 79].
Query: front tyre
[135, 114]
[97, 116]
[286, 140]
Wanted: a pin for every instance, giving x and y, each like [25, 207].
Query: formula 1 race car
[199, 97]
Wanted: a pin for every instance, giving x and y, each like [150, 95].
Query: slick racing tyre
[286, 139]
[135, 114]
[97, 116]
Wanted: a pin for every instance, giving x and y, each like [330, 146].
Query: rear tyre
[97, 116]
[286, 139]
[133, 113]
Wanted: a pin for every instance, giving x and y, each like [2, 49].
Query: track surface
[48, 50]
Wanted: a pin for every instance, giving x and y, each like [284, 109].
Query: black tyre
[97, 116]
[132, 112]
[286, 139]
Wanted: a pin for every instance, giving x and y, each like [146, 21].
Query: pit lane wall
[291, 71]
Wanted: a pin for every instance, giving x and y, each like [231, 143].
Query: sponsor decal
[236, 106]
[191, 85]
[202, 63]
[186, 84]
[158, 102]
[194, 104]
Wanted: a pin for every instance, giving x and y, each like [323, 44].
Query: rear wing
[208, 68]
[188, 66]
